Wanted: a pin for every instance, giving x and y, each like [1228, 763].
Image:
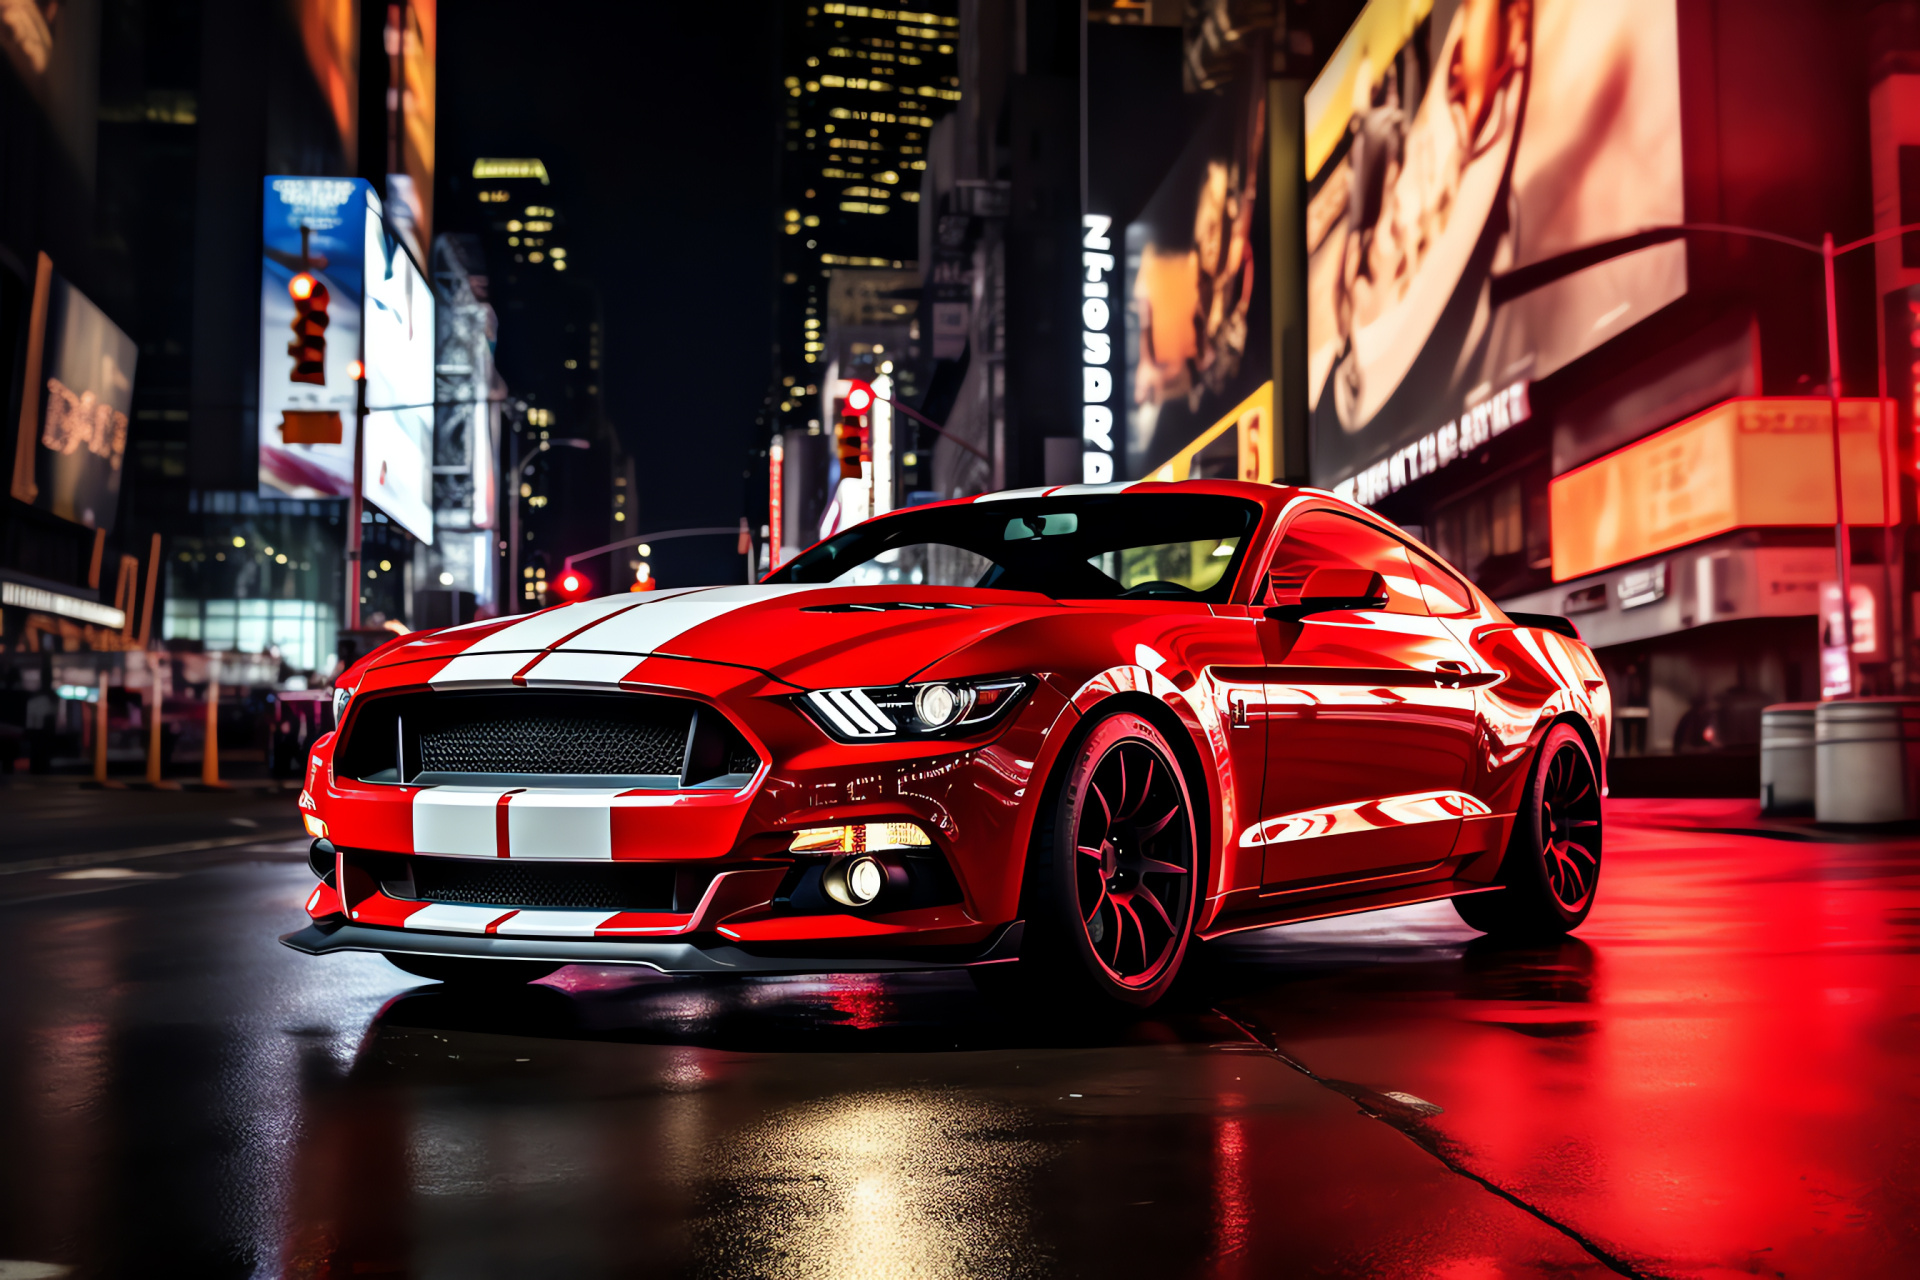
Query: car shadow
[1292, 977]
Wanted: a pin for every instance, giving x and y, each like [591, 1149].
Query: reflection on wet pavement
[1717, 1077]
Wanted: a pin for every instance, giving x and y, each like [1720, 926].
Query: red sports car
[1051, 735]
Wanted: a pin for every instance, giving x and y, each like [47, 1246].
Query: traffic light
[850, 434]
[309, 345]
[573, 584]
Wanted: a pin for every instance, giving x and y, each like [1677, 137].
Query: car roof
[1270, 496]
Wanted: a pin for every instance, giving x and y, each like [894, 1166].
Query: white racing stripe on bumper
[442, 917]
[561, 824]
[457, 820]
[553, 924]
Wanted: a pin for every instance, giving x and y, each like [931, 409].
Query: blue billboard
[312, 282]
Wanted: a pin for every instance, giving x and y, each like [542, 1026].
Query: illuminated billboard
[316, 228]
[1741, 464]
[1197, 318]
[1448, 146]
[73, 409]
[398, 332]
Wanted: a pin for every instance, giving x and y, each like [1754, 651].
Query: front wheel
[458, 971]
[1551, 870]
[1114, 883]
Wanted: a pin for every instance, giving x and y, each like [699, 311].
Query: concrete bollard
[1867, 760]
[1786, 758]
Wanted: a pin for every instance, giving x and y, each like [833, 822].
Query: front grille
[539, 738]
[646, 739]
[517, 884]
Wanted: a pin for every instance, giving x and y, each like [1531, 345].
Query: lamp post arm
[933, 426]
[665, 535]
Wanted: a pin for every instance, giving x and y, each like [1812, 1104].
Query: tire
[1113, 877]
[458, 971]
[1551, 871]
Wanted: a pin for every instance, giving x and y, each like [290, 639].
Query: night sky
[658, 125]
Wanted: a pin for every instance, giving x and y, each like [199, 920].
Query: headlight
[340, 697]
[937, 709]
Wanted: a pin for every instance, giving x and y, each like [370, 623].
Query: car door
[1370, 717]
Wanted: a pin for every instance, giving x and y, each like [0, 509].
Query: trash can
[1786, 758]
[1865, 755]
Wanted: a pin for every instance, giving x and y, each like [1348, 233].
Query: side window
[1327, 539]
[1447, 596]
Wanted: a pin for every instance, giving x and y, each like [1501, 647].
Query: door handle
[1457, 675]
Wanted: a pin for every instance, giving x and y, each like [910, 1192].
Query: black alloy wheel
[1116, 871]
[460, 971]
[1551, 870]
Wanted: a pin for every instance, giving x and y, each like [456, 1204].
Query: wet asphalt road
[1720, 1076]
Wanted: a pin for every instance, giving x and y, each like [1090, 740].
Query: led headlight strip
[935, 709]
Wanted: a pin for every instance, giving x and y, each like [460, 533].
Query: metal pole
[358, 501]
[1842, 548]
[513, 593]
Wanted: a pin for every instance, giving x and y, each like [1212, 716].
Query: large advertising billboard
[398, 325]
[73, 412]
[314, 240]
[1449, 144]
[1197, 319]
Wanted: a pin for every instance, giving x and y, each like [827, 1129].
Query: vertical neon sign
[1096, 314]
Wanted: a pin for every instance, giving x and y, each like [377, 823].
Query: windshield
[1080, 547]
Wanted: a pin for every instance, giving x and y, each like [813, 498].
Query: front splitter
[326, 937]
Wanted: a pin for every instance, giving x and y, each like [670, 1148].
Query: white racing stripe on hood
[496, 658]
[652, 627]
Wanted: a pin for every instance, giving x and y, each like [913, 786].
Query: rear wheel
[1551, 871]
[1112, 888]
[462, 972]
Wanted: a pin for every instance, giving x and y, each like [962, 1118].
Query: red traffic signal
[850, 442]
[859, 396]
[309, 345]
[573, 584]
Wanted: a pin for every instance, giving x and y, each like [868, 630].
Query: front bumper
[325, 937]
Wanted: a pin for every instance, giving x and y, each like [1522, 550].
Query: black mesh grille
[512, 740]
[524, 735]
[517, 884]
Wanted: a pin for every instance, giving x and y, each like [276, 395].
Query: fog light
[858, 881]
[320, 856]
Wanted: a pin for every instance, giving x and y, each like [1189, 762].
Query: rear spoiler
[1547, 622]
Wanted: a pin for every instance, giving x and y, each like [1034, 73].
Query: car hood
[809, 636]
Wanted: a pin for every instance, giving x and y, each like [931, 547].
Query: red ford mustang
[1053, 736]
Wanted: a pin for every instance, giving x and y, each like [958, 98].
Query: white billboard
[397, 328]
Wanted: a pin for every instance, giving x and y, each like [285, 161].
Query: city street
[1714, 1078]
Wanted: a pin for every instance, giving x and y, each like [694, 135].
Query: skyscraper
[864, 87]
[566, 475]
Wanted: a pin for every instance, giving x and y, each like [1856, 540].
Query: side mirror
[1334, 591]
